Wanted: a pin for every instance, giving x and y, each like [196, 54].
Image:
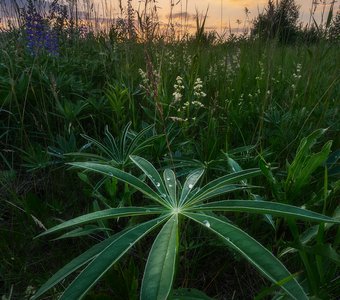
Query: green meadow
[150, 167]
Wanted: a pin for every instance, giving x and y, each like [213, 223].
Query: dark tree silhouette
[278, 21]
[334, 29]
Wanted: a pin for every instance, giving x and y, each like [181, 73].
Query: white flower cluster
[198, 85]
[187, 57]
[145, 80]
[297, 74]
[149, 82]
[171, 58]
[179, 87]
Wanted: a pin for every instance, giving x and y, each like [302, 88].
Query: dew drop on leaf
[190, 186]
[168, 178]
[206, 223]
[158, 184]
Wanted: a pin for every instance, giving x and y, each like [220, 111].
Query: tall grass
[244, 99]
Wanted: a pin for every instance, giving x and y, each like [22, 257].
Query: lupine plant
[173, 204]
[40, 36]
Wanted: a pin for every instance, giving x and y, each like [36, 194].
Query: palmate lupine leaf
[187, 201]
[105, 214]
[125, 177]
[107, 258]
[160, 267]
[265, 207]
[253, 251]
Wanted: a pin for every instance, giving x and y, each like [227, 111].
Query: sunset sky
[221, 13]
[232, 10]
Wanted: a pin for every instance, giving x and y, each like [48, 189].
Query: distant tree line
[279, 21]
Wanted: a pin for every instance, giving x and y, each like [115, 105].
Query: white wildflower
[198, 85]
[179, 87]
[297, 73]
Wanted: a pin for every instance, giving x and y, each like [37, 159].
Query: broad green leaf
[75, 264]
[267, 217]
[253, 251]
[82, 231]
[105, 214]
[188, 294]
[223, 181]
[234, 166]
[160, 266]
[170, 183]
[123, 176]
[325, 250]
[266, 207]
[151, 172]
[305, 162]
[108, 257]
[217, 192]
[189, 184]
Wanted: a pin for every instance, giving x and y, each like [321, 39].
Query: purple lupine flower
[52, 42]
[40, 37]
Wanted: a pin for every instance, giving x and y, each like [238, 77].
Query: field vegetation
[191, 167]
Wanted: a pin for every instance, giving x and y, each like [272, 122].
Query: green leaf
[253, 251]
[267, 217]
[123, 176]
[106, 258]
[305, 162]
[151, 172]
[217, 192]
[170, 182]
[266, 207]
[211, 187]
[82, 231]
[137, 144]
[75, 264]
[160, 266]
[189, 184]
[324, 250]
[105, 214]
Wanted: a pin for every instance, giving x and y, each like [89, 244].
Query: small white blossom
[179, 87]
[198, 85]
